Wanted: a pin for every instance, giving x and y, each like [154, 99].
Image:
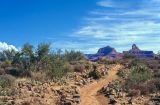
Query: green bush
[95, 74]
[137, 76]
[122, 73]
[79, 68]
[6, 81]
[73, 56]
[133, 92]
[127, 56]
[59, 69]
[140, 74]
[40, 59]
[138, 62]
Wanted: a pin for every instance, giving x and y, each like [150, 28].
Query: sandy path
[89, 92]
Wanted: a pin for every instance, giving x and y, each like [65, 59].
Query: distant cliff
[111, 53]
[135, 51]
[103, 52]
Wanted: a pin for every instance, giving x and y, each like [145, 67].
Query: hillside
[37, 76]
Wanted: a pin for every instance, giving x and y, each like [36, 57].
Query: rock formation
[107, 51]
[135, 51]
[111, 53]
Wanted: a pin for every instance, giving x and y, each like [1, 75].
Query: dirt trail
[89, 92]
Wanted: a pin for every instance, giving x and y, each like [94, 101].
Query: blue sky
[84, 25]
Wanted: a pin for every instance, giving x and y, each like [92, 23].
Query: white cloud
[121, 27]
[93, 30]
[5, 46]
[106, 3]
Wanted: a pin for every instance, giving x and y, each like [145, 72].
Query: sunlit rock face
[107, 51]
[135, 51]
[112, 54]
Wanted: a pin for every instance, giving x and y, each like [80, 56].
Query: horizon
[4, 46]
[81, 25]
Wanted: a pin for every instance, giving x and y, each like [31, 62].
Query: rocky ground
[116, 96]
[89, 94]
[65, 92]
[76, 89]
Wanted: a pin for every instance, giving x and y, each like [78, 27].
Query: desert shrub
[127, 56]
[14, 72]
[121, 73]
[151, 85]
[2, 71]
[87, 65]
[79, 68]
[157, 74]
[40, 59]
[146, 88]
[59, 69]
[106, 61]
[73, 56]
[140, 74]
[137, 62]
[26, 73]
[133, 92]
[6, 81]
[3, 83]
[95, 74]
[94, 66]
[142, 88]
[39, 76]
[102, 60]
[155, 82]
[6, 64]
[18, 72]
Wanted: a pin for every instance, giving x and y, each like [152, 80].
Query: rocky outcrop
[103, 52]
[106, 51]
[69, 95]
[135, 51]
[115, 95]
[111, 53]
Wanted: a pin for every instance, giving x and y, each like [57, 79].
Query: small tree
[43, 50]
[42, 54]
[17, 61]
[73, 56]
[59, 68]
[9, 54]
[28, 55]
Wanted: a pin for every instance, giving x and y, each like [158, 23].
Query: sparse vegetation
[137, 78]
[127, 56]
[142, 78]
[6, 81]
[122, 73]
[56, 64]
[95, 74]
[41, 65]
[140, 74]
